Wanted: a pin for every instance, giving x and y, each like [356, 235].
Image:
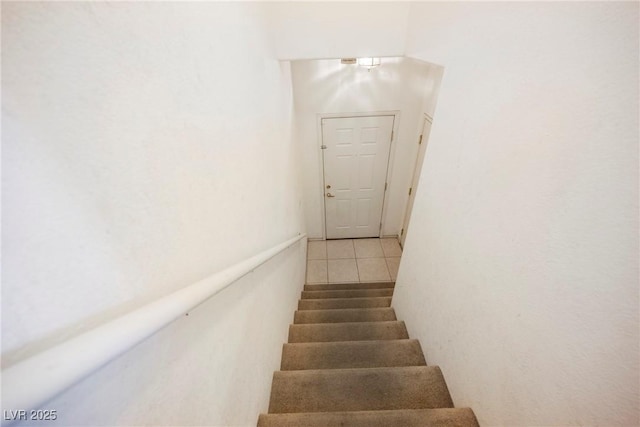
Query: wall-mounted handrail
[35, 380]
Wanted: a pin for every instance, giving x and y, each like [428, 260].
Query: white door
[422, 149]
[356, 157]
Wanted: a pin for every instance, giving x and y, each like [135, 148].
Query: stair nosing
[366, 342]
[345, 293]
[350, 309]
[353, 283]
[335, 303]
[337, 324]
[469, 415]
[324, 299]
[344, 310]
[337, 371]
[347, 286]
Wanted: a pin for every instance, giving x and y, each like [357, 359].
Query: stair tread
[355, 285]
[338, 315]
[329, 303]
[352, 354]
[348, 293]
[359, 389]
[347, 331]
[439, 417]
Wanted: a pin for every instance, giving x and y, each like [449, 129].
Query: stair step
[361, 389]
[352, 331]
[339, 315]
[329, 303]
[441, 417]
[340, 286]
[348, 293]
[352, 354]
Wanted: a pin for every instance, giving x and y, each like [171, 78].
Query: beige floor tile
[338, 249]
[316, 271]
[317, 249]
[393, 264]
[368, 248]
[373, 270]
[391, 247]
[342, 270]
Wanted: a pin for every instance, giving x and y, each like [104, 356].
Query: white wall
[327, 86]
[432, 88]
[311, 30]
[520, 271]
[141, 154]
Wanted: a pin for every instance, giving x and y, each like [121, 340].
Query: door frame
[422, 149]
[392, 152]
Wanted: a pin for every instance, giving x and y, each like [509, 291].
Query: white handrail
[33, 381]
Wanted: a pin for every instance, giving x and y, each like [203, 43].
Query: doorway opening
[423, 141]
[355, 159]
[362, 201]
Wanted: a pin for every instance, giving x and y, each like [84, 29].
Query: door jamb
[406, 214]
[392, 150]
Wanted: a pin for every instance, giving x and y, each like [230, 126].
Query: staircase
[350, 362]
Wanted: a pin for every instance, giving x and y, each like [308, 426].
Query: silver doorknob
[330, 195]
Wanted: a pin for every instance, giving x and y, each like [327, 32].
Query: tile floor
[353, 260]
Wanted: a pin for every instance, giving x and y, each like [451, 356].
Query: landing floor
[353, 260]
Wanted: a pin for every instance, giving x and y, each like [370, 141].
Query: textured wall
[145, 147]
[520, 271]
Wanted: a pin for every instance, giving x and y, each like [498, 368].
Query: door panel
[356, 158]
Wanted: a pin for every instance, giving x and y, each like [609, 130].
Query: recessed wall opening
[360, 123]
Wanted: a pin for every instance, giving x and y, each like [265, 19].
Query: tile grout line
[327, 269]
[355, 260]
[358, 270]
[388, 269]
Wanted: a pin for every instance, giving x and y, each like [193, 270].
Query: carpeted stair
[350, 362]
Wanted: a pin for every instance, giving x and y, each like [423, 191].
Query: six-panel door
[356, 157]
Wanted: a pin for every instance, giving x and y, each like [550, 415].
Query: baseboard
[390, 236]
